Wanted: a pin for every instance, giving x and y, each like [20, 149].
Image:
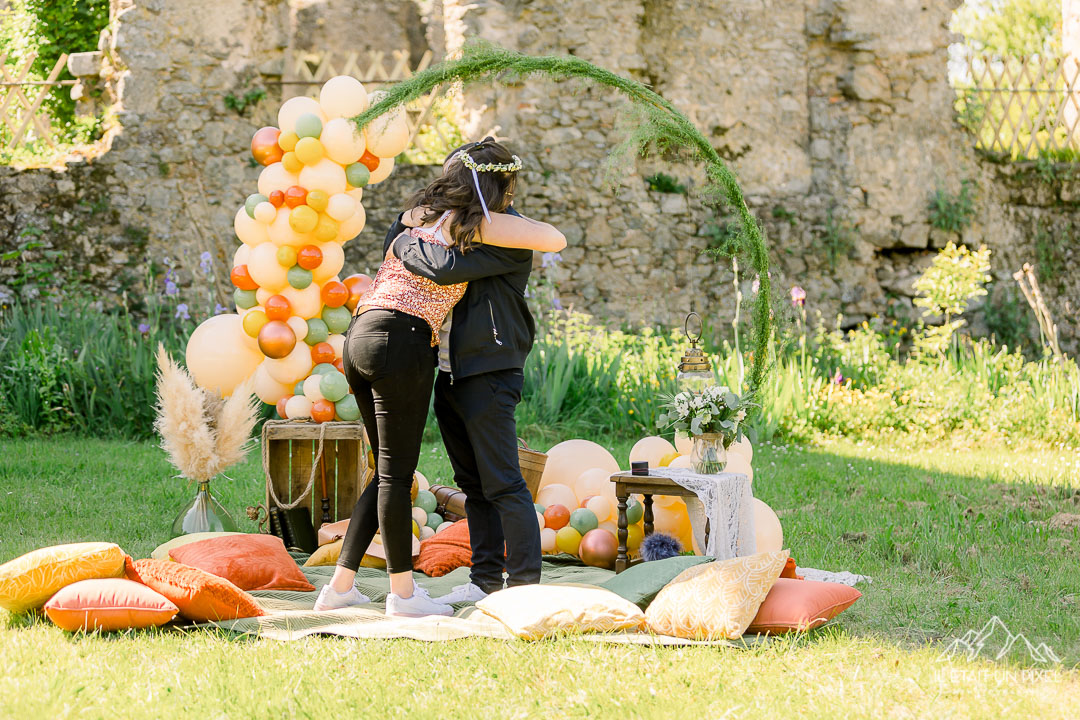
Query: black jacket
[492, 327]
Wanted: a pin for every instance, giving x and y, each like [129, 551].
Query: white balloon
[427, 531]
[420, 516]
[683, 461]
[540, 520]
[343, 96]
[297, 407]
[344, 144]
[311, 388]
[547, 540]
[652, 450]
[743, 447]
[240, 257]
[770, 535]
[683, 443]
[338, 343]
[265, 213]
[299, 327]
[737, 463]
[292, 109]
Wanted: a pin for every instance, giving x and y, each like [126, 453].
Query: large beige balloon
[276, 177]
[683, 443]
[267, 388]
[265, 270]
[673, 520]
[325, 175]
[386, 166]
[217, 356]
[344, 144]
[342, 97]
[652, 450]
[333, 259]
[570, 458]
[281, 233]
[250, 231]
[293, 108]
[352, 226]
[594, 481]
[291, 368]
[388, 135]
[306, 303]
[683, 461]
[767, 530]
[743, 447]
[737, 463]
[557, 494]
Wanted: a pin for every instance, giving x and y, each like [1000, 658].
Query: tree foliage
[1010, 28]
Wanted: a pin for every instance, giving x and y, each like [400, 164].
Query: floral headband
[468, 162]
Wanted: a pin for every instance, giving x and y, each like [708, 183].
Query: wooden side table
[647, 486]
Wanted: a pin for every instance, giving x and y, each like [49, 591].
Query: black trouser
[389, 363]
[476, 419]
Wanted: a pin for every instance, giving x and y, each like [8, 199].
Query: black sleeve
[396, 228]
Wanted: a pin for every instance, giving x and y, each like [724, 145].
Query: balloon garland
[292, 307]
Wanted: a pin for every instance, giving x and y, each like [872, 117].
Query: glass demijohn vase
[708, 455]
[203, 514]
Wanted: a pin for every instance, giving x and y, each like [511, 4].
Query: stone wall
[836, 115]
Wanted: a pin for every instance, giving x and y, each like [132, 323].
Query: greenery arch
[659, 125]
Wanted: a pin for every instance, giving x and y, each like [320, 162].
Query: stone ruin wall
[835, 114]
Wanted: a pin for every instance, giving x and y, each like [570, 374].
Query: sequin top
[395, 288]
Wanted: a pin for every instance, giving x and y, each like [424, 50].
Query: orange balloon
[241, 278]
[276, 339]
[369, 161]
[295, 196]
[264, 146]
[281, 406]
[277, 198]
[556, 516]
[278, 307]
[309, 257]
[322, 411]
[322, 353]
[335, 294]
[340, 365]
[357, 284]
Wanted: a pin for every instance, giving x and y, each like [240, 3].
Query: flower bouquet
[712, 417]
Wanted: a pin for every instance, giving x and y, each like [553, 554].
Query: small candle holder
[639, 467]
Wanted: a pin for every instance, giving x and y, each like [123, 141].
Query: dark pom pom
[659, 546]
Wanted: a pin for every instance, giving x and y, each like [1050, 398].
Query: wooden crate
[292, 448]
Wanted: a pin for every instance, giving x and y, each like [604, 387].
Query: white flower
[740, 416]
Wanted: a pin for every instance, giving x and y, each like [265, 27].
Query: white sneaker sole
[417, 615]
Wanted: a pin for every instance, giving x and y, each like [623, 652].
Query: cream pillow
[533, 612]
[161, 552]
[716, 600]
[29, 580]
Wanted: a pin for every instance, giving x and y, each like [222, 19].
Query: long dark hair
[455, 191]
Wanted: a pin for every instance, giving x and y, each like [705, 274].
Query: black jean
[390, 364]
[476, 419]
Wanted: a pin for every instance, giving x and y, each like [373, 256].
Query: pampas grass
[202, 433]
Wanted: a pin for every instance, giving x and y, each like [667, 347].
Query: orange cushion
[445, 552]
[109, 604]
[201, 597]
[801, 605]
[249, 561]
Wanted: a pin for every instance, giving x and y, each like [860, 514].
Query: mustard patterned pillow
[716, 600]
[533, 612]
[326, 554]
[29, 580]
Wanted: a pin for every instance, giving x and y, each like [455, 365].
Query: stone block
[867, 82]
[84, 64]
[915, 236]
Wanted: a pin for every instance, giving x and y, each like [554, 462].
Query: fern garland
[658, 125]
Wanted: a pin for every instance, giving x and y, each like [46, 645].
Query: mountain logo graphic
[996, 641]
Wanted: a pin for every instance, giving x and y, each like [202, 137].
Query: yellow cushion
[161, 552]
[715, 600]
[29, 580]
[326, 554]
[533, 612]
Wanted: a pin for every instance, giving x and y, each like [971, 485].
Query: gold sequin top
[395, 288]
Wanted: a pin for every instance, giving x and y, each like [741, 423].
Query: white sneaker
[331, 599]
[419, 604]
[463, 593]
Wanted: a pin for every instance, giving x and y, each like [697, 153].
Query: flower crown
[468, 162]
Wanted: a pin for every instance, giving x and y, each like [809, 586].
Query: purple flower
[549, 259]
[144, 328]
[170, 288]
[219, 309]
[838, 377]
[798, 296]
[205, 263]
[182, 312]
[556, 303]
[528, 293]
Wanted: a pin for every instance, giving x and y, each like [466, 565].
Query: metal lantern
[695, 369]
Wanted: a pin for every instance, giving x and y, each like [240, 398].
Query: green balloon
[244, 299]
[634, 511]
[539, 508]
[334, 386]
[425, 500]
[357, 174]
[298, 277]
[323, 368]
[298, 389]
[583, 520]
[346, 409]
[317, 333]
[252, 201]
[308, 125]
[337, 319]
[434, 520]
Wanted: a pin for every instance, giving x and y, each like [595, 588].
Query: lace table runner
[726, 500]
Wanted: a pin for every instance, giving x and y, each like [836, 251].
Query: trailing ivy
[657, 127]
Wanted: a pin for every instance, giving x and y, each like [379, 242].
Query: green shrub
[952, 213]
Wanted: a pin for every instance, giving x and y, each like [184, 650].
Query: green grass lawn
[951, 538]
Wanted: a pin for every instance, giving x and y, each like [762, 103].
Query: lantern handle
[686, 327]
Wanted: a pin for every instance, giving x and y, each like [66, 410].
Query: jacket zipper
[494, 330]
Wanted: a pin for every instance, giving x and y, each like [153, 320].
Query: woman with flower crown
[391, 351]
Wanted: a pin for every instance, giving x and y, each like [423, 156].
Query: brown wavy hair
[455, 191]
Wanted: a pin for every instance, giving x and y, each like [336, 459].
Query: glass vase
[708, 455]
[203, 514]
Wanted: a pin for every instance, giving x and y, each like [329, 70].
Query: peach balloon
[292, 109]
[652, 450]
[333, 259]
[306, 303]
[297, 407]
[743, 447]
[325, 175]
[610, 526]
[386, 166]
[242, 255]
[250, 231]
[356, 194]
[299, 327]
[217, 356]
[683, 461]
[683, 443]
[291, 368]
[276, 177]
[737, 463]
[388, 135]
[594, 481]
[557, 494]
[570, 458]
[343, 143]
[767, 530]
[313, 393]
[265, 269]
[673, 520]
[665, 500]
[341, 207]
[343, 96]
[352, 225]
[263, 294]
[601, 507]
[267, 388]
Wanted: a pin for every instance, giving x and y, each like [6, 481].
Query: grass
[950, 538]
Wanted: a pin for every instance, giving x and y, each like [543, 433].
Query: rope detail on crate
[314, 468]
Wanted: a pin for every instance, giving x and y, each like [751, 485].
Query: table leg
[647, 501]
[622, 560]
